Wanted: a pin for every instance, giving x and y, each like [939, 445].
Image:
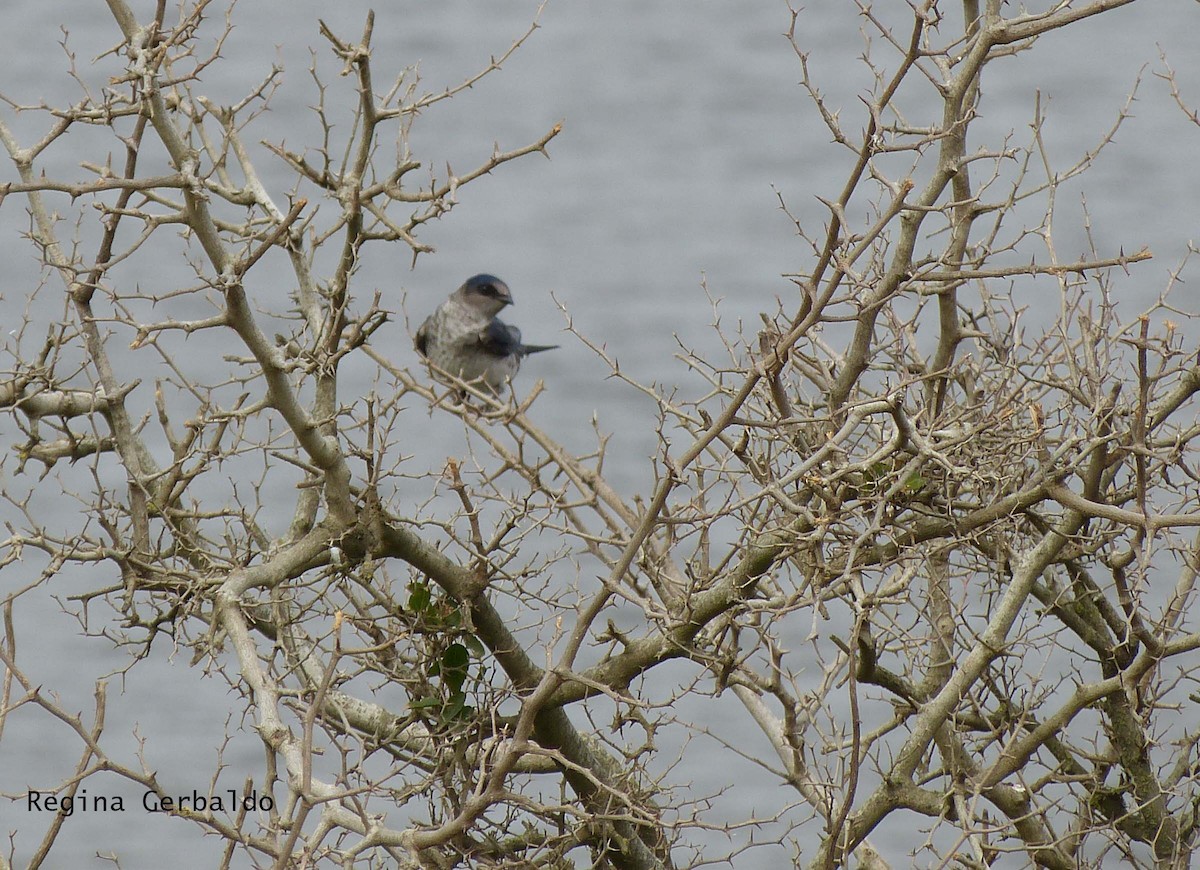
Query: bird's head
[487, 293]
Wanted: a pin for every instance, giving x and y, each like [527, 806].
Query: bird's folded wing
[422, 340]
[500, 339]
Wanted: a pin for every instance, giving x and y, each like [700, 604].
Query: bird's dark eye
[487, 286]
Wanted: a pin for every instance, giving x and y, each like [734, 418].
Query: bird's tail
[527, 349]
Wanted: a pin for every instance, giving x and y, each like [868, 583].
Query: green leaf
[419, 597]
[454, 666]
[456, 708]
[456, 656]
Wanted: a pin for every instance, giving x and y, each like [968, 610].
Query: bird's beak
[506, 297]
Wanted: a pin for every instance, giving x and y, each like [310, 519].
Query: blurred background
[684, 126]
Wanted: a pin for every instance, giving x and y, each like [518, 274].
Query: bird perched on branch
[464, 337]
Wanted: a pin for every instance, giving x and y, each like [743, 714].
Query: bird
[466, 339]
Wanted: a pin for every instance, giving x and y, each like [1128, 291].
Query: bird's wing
[421, 343]
[499, 339]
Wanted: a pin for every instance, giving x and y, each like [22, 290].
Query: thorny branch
[974, 535]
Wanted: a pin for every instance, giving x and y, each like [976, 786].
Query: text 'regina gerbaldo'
[152, 802]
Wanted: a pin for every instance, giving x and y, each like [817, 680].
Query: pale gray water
[680, 119]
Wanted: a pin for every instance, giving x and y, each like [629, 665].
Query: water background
[683, 124]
